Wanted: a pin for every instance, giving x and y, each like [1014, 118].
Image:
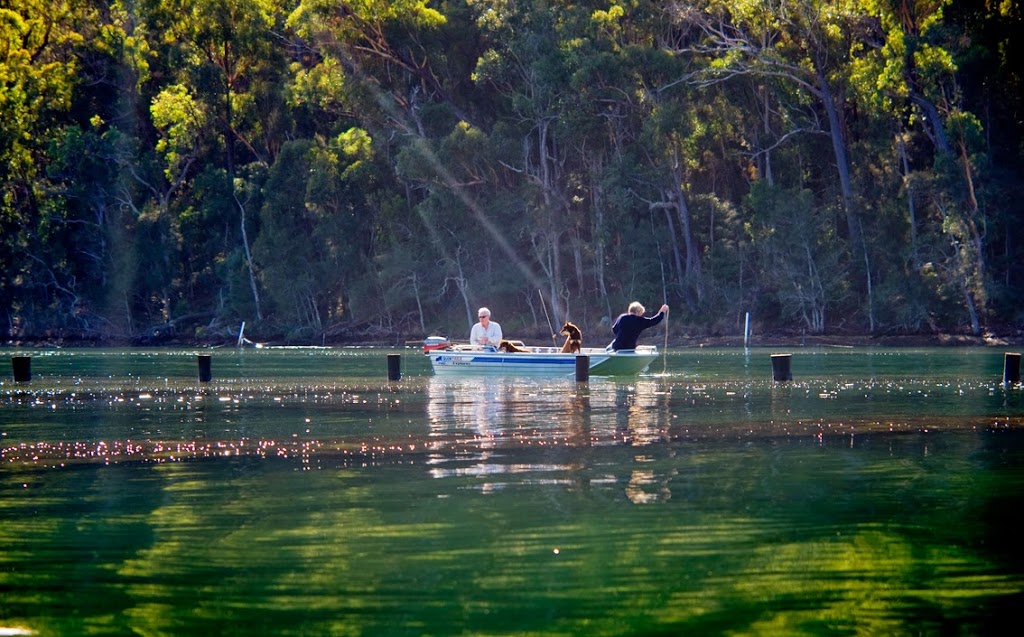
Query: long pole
[664, 351]
[551, 327]
[664, 300]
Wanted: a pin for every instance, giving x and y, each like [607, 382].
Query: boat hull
[540, 362]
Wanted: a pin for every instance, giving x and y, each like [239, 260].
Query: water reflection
[648, 483]
[491, 416]
[501, 417]
[523, 411]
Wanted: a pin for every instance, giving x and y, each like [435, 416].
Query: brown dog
[573, 338]
[509, 346]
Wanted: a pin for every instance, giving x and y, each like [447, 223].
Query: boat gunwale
[542, 360]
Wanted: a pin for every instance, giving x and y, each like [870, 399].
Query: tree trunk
[871, 297]
[853, 221]
[693, 264]
[678, 198]
[248, 254]
[577, 257]
[972, 211]
[842, 162]
[972, 311]
[419, 303]
[229, 158]
[545, 249]
[463, 285]
[933, 124]
[677, 256]
[911, 204]
[599, 244]
[766, 171]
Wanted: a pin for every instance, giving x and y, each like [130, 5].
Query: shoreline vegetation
[372, 172]
[1009, 338]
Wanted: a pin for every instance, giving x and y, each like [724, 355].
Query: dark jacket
[628, 326]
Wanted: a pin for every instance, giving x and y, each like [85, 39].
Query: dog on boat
[510, 347]
[573, 338]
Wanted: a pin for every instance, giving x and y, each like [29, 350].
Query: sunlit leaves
[355, 143]
[180, 119]
[609, 18]
[493, 15]
[416, 12]
[933, 60]
[360, 20]
[37, 76]
[966, 128]
[322, 85]
[911, 56]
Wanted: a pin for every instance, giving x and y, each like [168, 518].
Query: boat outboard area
[436, 342]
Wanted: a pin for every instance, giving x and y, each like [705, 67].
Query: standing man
[628, 326]
[486, 333]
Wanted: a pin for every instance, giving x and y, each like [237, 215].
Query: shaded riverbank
[1013, 338]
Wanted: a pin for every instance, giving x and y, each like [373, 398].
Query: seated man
[486, 333]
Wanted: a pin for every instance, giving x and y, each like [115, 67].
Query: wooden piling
[205, 368]
[394, 366]
[1011, 368]
[582, 368]
[22, 368]
[780, 367]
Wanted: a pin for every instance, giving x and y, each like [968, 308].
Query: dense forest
[374, 170]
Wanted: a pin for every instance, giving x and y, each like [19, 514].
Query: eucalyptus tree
[394, 49]
[529, 62]
[226, 56]
[605, 125]
[990, 80]
[466, 218]
[51, 250]
[401, 71]
[311, 235]
[909, 75]
[800, 269]
[37, 76]
[685, 143]
[805, 43]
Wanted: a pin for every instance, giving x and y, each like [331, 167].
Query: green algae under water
[303, 493]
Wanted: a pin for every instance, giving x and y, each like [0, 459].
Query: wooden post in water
[1011, 368]
[22, 368]
[394, 366]
[582, 368]
[780, 367]
[205, 368]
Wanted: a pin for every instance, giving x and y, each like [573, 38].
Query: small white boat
[548, 361]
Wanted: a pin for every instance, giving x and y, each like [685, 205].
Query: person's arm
[475, 334]
[657, 318]
[497, 334]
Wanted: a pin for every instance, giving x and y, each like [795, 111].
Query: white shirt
[485, 336]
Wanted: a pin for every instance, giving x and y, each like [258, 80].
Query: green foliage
[325, 169]
[799, 260]
[180, 120]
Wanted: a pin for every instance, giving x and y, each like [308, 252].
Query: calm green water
[301, 493]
